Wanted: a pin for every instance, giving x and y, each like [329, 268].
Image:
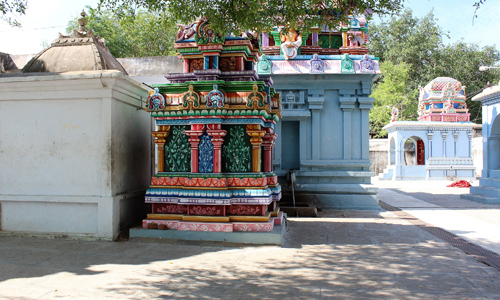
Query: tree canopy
[259, 15]
[412, 53]
[9, 7]
[133, 33]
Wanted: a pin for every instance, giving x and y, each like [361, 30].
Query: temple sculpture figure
[215, 139]
[439, 144]
[290, 44]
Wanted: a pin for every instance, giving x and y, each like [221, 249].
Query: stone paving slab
[322, 258]
[465, 221]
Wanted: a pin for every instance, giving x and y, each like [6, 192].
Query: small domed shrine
[439, 144]
[443, 99]
[81, 50]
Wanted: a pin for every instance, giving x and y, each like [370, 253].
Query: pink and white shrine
[439, 144]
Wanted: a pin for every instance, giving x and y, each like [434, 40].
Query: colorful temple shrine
[439, 144]
[215, 138]
[443, 99]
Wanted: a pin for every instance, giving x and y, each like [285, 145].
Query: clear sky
[44, 19]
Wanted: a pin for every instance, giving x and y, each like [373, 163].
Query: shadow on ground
[342, 254]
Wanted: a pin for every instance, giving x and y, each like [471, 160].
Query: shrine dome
[436, 88]
[443, 99]
[81, 50]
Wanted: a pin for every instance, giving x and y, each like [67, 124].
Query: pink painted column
[240, 63]
[194, 140]
[268, 145]
[185, 65]
[217, 134]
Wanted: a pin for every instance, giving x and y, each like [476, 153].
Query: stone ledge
[274, 237]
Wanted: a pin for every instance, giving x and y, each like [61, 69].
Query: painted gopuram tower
[214, 139]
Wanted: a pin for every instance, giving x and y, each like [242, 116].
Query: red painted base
[212, 226]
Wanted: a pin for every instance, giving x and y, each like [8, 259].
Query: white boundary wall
[74, 153]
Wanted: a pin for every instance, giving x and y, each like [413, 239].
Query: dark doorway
[290, 141]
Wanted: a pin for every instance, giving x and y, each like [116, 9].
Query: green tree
[133, 33]
[240, 15]
[10, 7]
[461, 61]
[411, 40]
[418, 43]
[391, 92]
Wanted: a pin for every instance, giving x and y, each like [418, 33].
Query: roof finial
[82, 21]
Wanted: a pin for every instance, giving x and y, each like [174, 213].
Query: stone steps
[386, 175]
[480, 199]
[486, 191]
[494, 174]
[489, 182]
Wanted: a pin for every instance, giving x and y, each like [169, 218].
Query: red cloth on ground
[460, 183]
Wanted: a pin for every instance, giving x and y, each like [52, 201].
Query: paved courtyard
[341, 255]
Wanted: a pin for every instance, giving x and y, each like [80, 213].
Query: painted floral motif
[205, 210]
[249, 210]
[156, 102]
[255, 99]
[170, 209]
[228, 64]
[191, 181]
[185, 226]
[178, 152]
[195, 64]
[258, 227]
[205, 154]
[237, 154]
[191, 99]
[215, 98]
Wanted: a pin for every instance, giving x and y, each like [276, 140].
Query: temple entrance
[494, 145]
[290, 141]
[414, 151]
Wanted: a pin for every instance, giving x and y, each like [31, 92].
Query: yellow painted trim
[232, 54]
[164, 217]
[251, 218]
[275, 213]
[192, 56]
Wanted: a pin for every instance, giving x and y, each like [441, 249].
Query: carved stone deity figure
[448, 106]
[421, 108]
[290, 44]
[394, 113]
